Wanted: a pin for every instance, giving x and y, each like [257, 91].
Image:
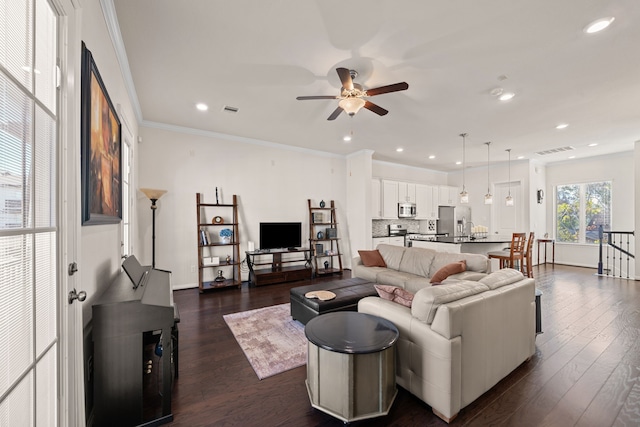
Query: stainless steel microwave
[406, 210]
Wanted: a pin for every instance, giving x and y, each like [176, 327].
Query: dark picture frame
[101, 149]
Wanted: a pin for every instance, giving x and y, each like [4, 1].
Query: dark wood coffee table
[351, 365]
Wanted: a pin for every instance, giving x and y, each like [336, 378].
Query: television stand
[266, 268]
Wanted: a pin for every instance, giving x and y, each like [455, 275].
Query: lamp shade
[153, 194]
[351, 105]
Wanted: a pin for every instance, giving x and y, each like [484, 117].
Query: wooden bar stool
[527, 255]
[515, 253]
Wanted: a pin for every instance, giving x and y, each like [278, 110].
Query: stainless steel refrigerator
[453, 220]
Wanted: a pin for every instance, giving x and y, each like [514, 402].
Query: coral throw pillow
[395, 294]
[448, 270]
[372, 258]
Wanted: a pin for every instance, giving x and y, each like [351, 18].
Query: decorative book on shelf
[324, 239]
[218, 244]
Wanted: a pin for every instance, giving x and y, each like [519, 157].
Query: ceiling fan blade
[335, 113]
[345, 78]
[386, 89]
[375, 108]
[304, 98]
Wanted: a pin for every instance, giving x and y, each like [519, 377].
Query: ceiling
[257, 56]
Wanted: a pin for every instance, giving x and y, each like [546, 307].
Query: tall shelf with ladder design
[324, 241]
[216, 267]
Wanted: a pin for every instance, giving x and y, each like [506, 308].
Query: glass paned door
[28, 220]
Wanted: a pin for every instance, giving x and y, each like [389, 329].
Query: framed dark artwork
[101, 149]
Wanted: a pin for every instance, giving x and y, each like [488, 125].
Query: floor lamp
[153, 195]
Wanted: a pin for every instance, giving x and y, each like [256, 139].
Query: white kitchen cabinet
[437, 246]
[447, 196]
[377, 240]
[397, 241]
[389, 199]
[375, 199]
[426, 201]
[406, 192]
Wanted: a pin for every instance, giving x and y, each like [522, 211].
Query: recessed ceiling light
[598, 25]
[593, 144]
[399, 149]
[562, 126]
[572, 157]
[458, 162]
[432, 157]
[347, 138]
[202, 107]
[520, 157]
[506, 96]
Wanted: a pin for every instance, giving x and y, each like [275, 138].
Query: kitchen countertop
[488, 239]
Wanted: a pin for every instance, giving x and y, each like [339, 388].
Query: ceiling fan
[352, 95]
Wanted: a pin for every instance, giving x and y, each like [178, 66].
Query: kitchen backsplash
[380, 227]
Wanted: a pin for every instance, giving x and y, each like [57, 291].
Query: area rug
[272, 341]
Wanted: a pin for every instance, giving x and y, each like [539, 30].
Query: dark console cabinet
[274, 268]
[126, 324]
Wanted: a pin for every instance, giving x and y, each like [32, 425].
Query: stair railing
[618, 246]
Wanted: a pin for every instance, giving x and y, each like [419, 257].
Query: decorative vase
[322, 204]
[320, 235]
[226, 239]
[326, 265]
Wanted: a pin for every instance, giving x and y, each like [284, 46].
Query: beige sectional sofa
[458, 339]
[412, 268]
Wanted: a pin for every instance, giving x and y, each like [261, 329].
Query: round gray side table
[351, 365]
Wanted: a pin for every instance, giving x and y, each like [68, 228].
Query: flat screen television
[279, 235]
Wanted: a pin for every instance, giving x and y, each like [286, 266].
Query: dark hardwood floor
[585, 371]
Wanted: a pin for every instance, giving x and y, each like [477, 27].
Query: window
[580, 210]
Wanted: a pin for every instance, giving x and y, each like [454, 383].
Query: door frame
[71, 393]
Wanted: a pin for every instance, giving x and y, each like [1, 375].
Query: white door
[508, 219]
[35, 237]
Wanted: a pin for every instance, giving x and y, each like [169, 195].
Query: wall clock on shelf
[218, 220]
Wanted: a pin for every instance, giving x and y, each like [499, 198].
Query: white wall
[618, 168]
[393, 171]
[272, 183]
[99, 259]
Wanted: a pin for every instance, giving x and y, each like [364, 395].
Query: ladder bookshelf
[217, 268]
[324, 242]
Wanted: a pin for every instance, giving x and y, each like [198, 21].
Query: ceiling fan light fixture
[351, 105]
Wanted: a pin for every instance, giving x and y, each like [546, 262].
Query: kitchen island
[464, 244]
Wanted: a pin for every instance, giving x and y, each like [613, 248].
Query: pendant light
[464, 196]
[509, 200]
[488, 198]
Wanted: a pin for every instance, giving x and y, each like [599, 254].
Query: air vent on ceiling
[555, 150]
[228, 109]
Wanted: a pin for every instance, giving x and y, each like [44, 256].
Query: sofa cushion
[395, 294]
[465, 275]
[448, 270]
[415, 284]
[372, 258]
[503, 277]
[475, 262]
[368, 273]
[426, 301]
[392, 255]
[394, 278]
[417, 261]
